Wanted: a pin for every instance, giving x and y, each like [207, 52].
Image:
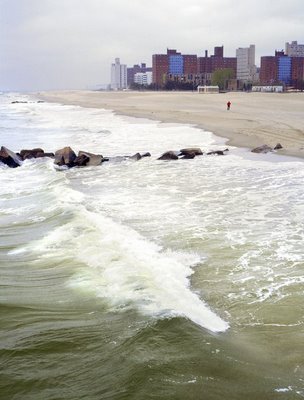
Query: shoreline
[253, 120]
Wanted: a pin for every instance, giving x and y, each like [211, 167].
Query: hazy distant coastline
[254, 118]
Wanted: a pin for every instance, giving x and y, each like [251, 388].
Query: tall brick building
[207, 65]
[297, 69]
[189, 67]
[190, 64]
[160, 68]
[281, 69]
[173, 65]
[268, 70]
[297, 72]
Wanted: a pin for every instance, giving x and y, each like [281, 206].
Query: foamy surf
[125, 269]
[85, 264]
[136, 271]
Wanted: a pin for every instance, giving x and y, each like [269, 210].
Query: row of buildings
[285, 67]
[122, 76]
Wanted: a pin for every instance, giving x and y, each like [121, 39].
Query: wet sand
[254, 118]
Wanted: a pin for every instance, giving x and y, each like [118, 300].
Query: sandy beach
[254, 118]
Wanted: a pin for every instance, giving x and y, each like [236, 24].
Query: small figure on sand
[228, 105]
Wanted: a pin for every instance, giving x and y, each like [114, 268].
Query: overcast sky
[57, 44]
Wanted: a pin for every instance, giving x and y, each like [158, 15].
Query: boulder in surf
[262, 149]
[216, 152]
[94, 159]
[65, 156]
[169, 155]
[33, 153]
[196, 150]
[9, 158]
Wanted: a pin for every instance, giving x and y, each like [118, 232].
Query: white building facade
[143, 78]
[294, 49]
[118, 75]
[246, 70]
[208, 89]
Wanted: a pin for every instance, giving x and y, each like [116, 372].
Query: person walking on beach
[228, 105]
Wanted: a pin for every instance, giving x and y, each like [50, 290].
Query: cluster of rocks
[189, 153]
[67, 157]
[25, 102]
[14, 160]
[266, 149]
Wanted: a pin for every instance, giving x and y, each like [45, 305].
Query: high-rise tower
[246, 70]
[118, 75]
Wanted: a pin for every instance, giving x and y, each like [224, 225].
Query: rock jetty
[266, 149]
[66, 157]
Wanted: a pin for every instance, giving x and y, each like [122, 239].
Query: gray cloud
[47, 44]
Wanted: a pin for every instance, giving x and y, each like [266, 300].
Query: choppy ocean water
[148, 279]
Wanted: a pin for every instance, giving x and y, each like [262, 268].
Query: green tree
[220, 77]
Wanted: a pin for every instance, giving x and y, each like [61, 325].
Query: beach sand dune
[254, 118]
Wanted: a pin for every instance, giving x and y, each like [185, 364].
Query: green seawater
[106, 273]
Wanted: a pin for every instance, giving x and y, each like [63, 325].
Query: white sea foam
[127, 270]
[244, 211]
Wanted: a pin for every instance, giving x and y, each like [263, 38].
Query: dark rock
[278, 146]
[65, 156]
[18, 102]
[51, 155]
[9, 158]
[262, 149]
[33, 153]
[169, 155]
[82, 160]
[189, 155]
[135, 157]
[216, 152]
[196, 150]
[94, 159]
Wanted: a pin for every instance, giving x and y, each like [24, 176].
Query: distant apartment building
[118, 75]
[173, 66]
[297, 70]
[281, 69]
[142, 68]
[189, 67]
[204, 69]
[216, 61]
[219, 51]
[224, 63]
[176, 64]
[143, 78]
[190, 64]
[268, 70]
[284, 69]
[160, 68]
[294, 49]
[246, 70]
